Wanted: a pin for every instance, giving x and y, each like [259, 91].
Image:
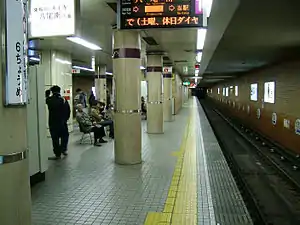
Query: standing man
[59, 114]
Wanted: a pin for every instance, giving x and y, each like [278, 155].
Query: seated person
[98, 115]
[88, 126]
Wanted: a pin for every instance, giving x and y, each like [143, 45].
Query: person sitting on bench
[88, 126]
[99, 117]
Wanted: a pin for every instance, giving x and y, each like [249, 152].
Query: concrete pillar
[155, 118]
[15, 200]
[127, 74]
[168, 116]
[100, 84]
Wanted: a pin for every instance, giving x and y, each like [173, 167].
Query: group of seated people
[98, 119]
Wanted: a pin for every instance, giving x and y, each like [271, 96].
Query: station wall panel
[286, 106]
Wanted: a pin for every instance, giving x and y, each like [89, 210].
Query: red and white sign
[167, 69]
[76, 71]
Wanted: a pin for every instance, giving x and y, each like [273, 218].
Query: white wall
[57, 73]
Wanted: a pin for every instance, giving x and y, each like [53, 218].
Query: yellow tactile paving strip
[181, 204]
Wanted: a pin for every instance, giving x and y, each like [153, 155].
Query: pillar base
[150, 132]
[128, 164]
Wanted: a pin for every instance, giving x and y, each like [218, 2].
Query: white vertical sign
[16, 54]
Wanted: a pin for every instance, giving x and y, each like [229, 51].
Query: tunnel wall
[286, 106]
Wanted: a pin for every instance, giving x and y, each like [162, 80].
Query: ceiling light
[34, 59]
[108, 73]
[142, 68]
[207, 4]
[201, 34]
[84, 43]
[63, 61]
[83, 68]
[199, 57]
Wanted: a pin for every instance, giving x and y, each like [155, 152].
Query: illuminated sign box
[269, 92]
[52, 18]
[139, 14]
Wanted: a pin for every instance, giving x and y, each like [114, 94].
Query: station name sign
[143, 14]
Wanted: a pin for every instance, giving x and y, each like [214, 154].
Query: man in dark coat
[59, 113]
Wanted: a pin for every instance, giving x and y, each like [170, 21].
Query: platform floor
[183, 180]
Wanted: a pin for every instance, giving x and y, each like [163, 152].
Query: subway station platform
[184, 180]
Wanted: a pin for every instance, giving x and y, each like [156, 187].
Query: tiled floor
[88, 188]
[176, 184]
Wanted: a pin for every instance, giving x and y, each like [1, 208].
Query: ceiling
[97, 20]
[241, 36]
[259, 33]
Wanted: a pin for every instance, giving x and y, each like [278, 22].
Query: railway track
[268, 179]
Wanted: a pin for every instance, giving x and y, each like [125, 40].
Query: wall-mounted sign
[76, 71]
[297, 126]
[286, 123]
[52, 18]
[227, 92]
[274, 118]
[269, 92]
[236, 90]
[167, 70]
[16, 52]
[253, 92]
[137, 14]
[258, 113]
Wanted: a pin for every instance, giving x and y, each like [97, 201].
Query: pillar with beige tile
[127, 75]
[155, 117]
[100, 84]
[15, 199]
[168, 116]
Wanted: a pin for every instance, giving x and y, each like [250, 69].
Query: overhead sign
[186, 83]
[139, 14]
[16, 52]
[52, 18]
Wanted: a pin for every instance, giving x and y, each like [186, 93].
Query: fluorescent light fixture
[199, 57]
[62, 61]
[83, 68]
[108, 73]
[142, 68]
[84, 43]
[207, 4]
[201, 34]
[34, 59]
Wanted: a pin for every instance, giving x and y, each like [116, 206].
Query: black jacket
[59, 110]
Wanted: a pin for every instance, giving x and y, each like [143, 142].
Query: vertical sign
[16, 52]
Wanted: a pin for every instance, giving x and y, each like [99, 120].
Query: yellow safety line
[181, 204]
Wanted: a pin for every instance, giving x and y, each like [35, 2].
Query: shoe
[97, 144]
[65, 153]
[54, 158]
[102, 141]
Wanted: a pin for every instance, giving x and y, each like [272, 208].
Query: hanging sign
[143, 14]
[16, 52]
[50, 18]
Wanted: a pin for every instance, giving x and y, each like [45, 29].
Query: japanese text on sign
[162, 21]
